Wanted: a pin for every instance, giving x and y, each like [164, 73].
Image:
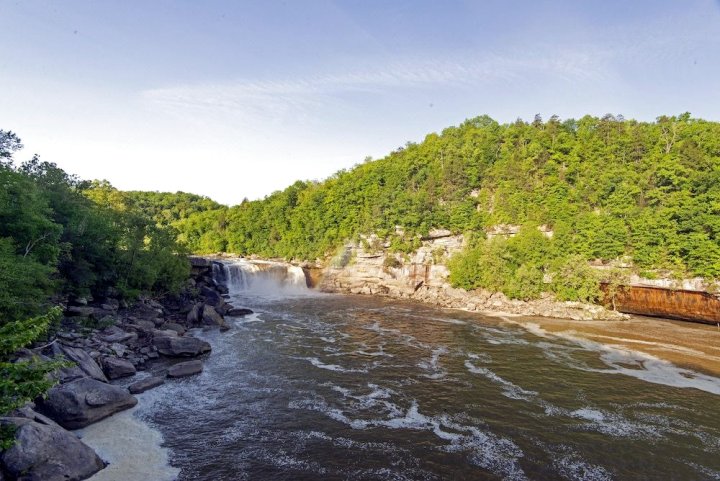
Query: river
[329, 387]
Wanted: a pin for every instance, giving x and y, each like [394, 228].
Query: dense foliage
[61, 235]
[608, 188]
[22, 380]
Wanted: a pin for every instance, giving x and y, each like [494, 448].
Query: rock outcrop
[85, 365]
[45, 452]
[423, 277]
[181, 346]
[145, 384]
[82, 402]
[116, 368]
[184, 369]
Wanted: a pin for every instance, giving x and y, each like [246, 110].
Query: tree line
[610, 189]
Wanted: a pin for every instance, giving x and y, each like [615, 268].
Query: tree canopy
[607, 187]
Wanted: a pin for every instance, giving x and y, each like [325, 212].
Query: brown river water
[330, 387]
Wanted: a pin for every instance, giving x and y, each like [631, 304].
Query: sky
[237, 99]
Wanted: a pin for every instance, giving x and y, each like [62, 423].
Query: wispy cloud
[257, 100]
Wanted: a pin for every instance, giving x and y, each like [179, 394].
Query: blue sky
[237, 99]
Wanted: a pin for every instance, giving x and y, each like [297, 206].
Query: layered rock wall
[423, 276]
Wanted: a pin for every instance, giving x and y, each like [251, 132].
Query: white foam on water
[375, 327]
[132, 448]
[433, 364]
[510, 390]
[248, 319]
[706, 472]
[646, 367]
[498, 455]
[482, 357]
[571, 466]
[493, 453]
[331, 367]
[282, 459]
[661, 345]
[614, 424]
[379, 352]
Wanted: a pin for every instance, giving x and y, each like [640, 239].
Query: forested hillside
[64, 237]
[607, 187]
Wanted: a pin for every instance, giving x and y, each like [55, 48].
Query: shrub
[23, 380]
[574, 280]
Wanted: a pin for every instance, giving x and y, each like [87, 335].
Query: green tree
[22, 380]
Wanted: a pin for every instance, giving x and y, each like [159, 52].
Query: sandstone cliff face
[423, 276]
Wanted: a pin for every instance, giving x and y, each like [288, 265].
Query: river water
[330, 387]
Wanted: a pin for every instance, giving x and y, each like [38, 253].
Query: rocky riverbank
[105, 340]
[369, 268]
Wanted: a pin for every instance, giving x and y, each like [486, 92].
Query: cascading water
[261, 277]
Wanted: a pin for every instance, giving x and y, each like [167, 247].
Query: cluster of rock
[423, 276]
[105, 341]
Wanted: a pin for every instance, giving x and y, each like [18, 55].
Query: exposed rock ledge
[423, 277]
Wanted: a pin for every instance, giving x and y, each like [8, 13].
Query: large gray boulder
[212, 296]
[117, 368]
[185, 346]
[84, 363]
[184, 369]
[195, 314]
[80, 403]
[47, 453]
[212, 317]
[173, 326]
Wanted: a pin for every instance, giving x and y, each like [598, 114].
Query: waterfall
[260, 277]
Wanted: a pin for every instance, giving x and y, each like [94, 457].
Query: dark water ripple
[355, 388]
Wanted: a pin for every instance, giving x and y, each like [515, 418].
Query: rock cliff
[368, 267]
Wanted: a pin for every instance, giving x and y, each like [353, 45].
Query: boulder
[80, 311]
[173, 326]
[164, 333]
[110, 304]
[118, 349]
[48, 453]
[183, 369]
[195, 314]
[115, 334]
[143, 324]
[145, 384]
[28, 412]
[212, 296]
[239, 311]
[181, 346]
[116, 368]
[199, 262]
[84, 362]
[212, 317]
[79, 403]
[146, 312]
